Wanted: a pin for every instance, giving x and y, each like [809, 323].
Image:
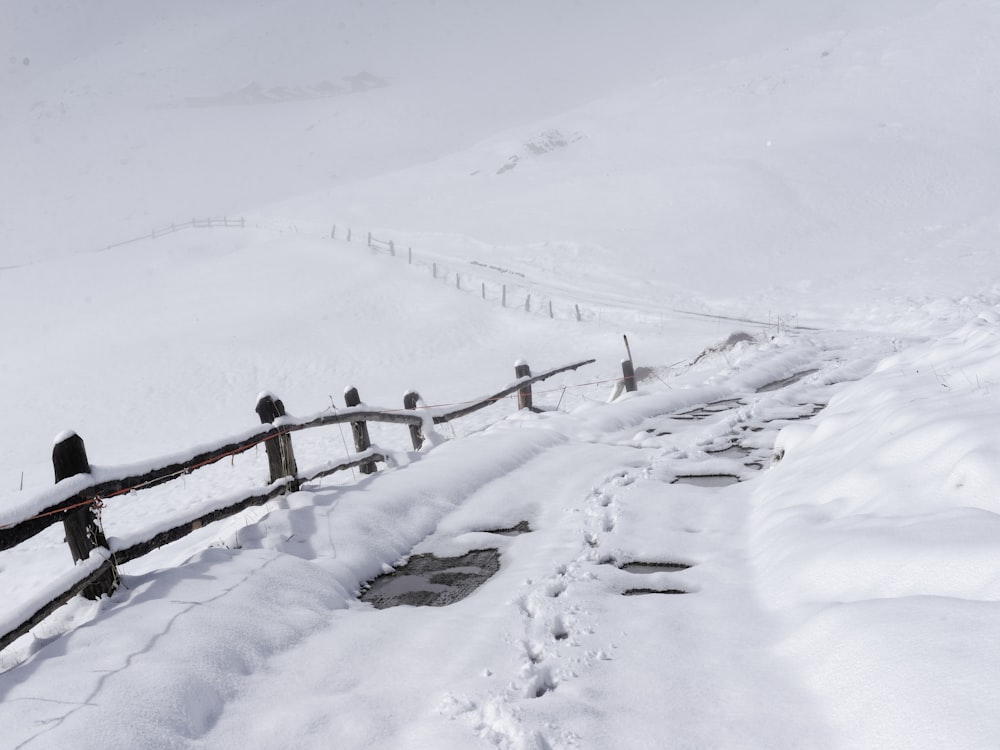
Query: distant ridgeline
[254, 93]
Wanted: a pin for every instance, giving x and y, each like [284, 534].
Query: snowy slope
[658, 169]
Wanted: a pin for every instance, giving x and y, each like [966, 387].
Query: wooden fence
[517, 294]
[195, 223]
[76, 498]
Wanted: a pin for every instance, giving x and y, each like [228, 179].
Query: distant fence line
[519, 295]
[194, 223]
[513, 295]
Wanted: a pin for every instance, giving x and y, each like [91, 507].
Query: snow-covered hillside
[820, 179]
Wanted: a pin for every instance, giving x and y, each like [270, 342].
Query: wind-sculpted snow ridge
[875, 541]
[262, 641]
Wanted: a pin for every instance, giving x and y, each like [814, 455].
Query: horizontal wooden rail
[135, 550]
[73, 495]
[86, 573]
[511, 389]
[80, 578]
[138, 549]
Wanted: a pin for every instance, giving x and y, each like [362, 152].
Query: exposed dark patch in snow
[430, 581]
[707, 480]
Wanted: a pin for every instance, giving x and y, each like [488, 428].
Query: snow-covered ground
[820, 181]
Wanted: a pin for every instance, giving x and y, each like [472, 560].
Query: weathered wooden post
[280, 456]
[521, 370]
[392, 248]
[628, 375]
[483, 289]
[578, 318]
[362, 441]
[550, 310]
[82, 525]
[333, 232]
[410, 400]
[628, 372]
[409, 256]
[458, 282]
[369, 239]
[434, 270]
[503, 295]
[527, 303]
[348, 234]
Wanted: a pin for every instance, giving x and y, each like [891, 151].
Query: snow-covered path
[546, 654]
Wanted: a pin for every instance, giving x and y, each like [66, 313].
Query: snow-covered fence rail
[195, 223]
[80, 489]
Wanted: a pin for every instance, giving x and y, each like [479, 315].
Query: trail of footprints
[550, 620]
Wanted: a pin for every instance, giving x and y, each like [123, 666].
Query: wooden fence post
[416, 436]
[409, 255]
[82, 525]
[333, 232]
[434, 270]
[483, 287]
[628, 372]
[348, 234]
[628, 375]
[578, 318]
[392, 248]
[280, 457]
[527, 303]
[503, 295]
[369, 239]
[550, 309]
[458, 282]
[362, 441]
[521, 370]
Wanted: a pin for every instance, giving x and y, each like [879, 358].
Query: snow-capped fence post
[362, 440]
[410, 400]
[521, 370]
[82, 525]
[280, 457]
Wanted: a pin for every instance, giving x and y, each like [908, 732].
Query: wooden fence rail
[79, 489]
[195, 223]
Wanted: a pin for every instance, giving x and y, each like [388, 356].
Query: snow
[790, 209]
